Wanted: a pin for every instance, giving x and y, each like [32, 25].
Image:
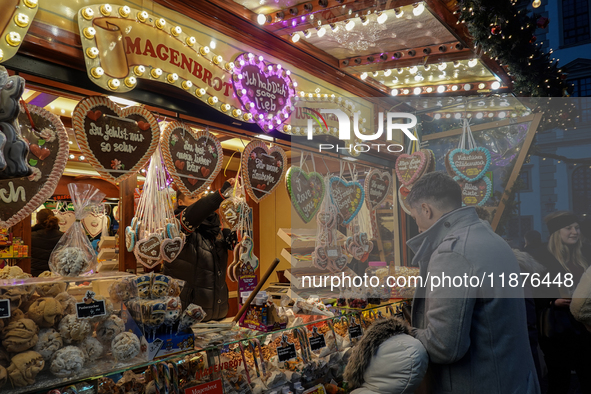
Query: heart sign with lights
[347, 196]
[265, 90]
[117, 142]
[262, 169]
[306, 191]
[470, 164]
[377, 187]
[192, 158]
[19, 197]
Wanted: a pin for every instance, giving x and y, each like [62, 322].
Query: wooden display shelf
[107, 243]
[303, 238]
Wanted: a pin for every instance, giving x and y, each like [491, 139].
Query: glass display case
[231, 361]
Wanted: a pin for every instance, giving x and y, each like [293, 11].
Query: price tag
[4, 309]
[355, 331]
[317, 342]
[286, 353]
[332, 253]
[93, 309]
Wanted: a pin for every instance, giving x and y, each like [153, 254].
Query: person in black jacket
[202, 262]
[44, 236]
[564, 254]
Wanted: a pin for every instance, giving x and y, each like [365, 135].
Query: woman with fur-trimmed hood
[387, 360]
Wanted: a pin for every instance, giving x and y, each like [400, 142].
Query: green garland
[534, 72]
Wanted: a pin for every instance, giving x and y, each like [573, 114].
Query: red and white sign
[214, 387]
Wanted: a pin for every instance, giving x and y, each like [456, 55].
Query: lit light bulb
[481, 86]
[472, 62]
[398, 12]
[413, 70]
[394, 92]
[382, 17]
[442, 66]
[429, 89]
[440, 88]
[467, 87]
[536, 3]
[350, 25]
[417, 91]
[261, 19]
[419, 77]
[437, 116]
[387, 73]
[363, 75]
[321, 31]
[307, 33]
[418, 10]
[502, 114]
[454, 88]
[334, 27]
[495, 85]
[479, 115]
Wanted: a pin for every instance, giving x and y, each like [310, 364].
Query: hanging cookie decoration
[192, 158]
[378, 185]
[65, 219]
[117, 141]
[93, 224]
[347, 197]
[262, 169]
[21, 196]
[468, 164]
[306, 192]
[154, 234]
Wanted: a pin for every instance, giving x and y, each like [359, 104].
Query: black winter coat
[42, 244]
[203, 260]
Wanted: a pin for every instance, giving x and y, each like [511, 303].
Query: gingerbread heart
[318, 262]
[377, 187]
[264, 89]
[470, 164]
[475, 193]
[65, 220]
[402, 195]
[347, 197]
[22, 196]
[306, 192]
[171, 248]
[410, 167]
[339, 263]
[193, 158]
[231, 210]
[264, 167]
[148, 263]
[93, 224]
[149, 247]
[114, 143]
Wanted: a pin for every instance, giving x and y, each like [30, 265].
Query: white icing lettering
[12, 195]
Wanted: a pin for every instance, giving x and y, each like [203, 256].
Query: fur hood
[386, 360]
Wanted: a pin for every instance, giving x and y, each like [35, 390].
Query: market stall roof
[401, 47]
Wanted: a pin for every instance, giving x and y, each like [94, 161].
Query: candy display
[74, 255]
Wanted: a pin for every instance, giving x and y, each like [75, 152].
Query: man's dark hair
[533, 237]
[438, 189]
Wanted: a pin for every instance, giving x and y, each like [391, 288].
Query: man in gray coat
[475, 331]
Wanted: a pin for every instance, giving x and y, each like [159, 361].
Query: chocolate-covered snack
[3, 376]
[4, 357]
[50, 289]
[45, 312]
[20, 335]
[50, 341]
[109, 329]
[92, 348]
[73, 329]
[68, 303]
[71, 261]
[125, 346]
[67, 362]
[24, 367]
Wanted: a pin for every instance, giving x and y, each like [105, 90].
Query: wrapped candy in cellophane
[74, 255]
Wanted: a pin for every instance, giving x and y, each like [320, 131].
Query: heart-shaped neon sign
[265, 90]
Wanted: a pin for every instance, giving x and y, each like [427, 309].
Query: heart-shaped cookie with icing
[470, 164]
[93, 224]
[410, 167]
[475, 193]
[65, 220]
[19, 197]
[306, 192]
[262, 169]
[170, 248]
[117, 141]
[193, 158]
[347, 197]
[377, 187]
[149, 247]
[231, 210]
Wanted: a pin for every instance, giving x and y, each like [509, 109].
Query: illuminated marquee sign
[15, 20]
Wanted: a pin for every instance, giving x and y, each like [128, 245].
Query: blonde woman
[566, 345]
